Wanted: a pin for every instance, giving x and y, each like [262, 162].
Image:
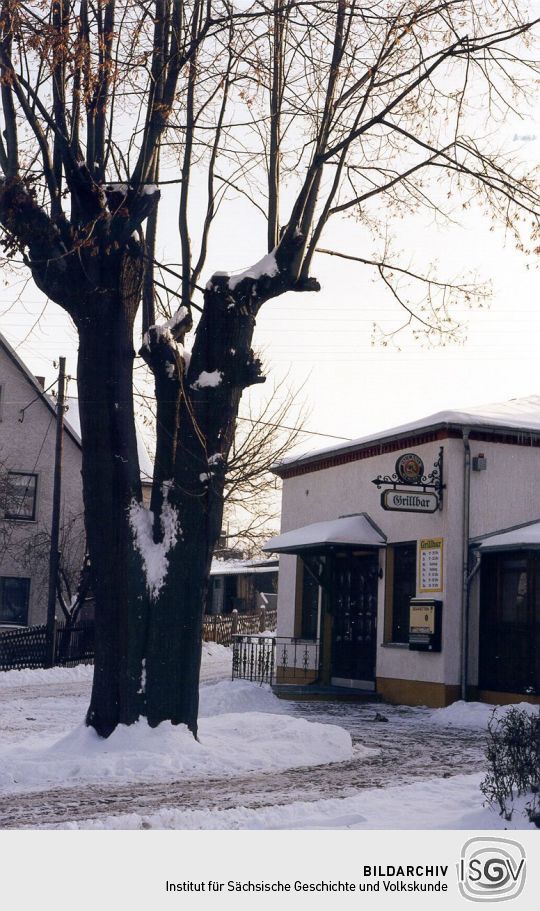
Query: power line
[315, 433]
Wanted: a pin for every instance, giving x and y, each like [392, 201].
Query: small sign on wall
[425, 625]
[430, 565]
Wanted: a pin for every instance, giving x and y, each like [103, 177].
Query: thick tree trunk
[203, 427]
[111, 482]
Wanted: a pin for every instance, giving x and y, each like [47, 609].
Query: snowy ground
[265, 763]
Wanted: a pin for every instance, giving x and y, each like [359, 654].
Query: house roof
[517, 415]
[519, 537]
[358, 530]
[48, 401]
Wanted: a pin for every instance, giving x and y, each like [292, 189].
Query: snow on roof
[521, 414]
[522, 537]
[47, 399]
[242, 567]
[72, 418]
[357, 530]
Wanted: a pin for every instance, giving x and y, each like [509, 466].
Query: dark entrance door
[354, 597]
[510, 622]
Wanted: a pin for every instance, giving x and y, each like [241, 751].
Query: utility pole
[54, 555]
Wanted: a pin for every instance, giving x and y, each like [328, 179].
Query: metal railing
[275, 659]
[253, 658]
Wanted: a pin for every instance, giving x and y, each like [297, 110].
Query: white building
[398, 574]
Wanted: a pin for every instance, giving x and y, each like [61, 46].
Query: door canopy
[358, 530]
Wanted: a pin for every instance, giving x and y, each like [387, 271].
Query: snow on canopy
[523, 536]
[354, 530]
[522, 415]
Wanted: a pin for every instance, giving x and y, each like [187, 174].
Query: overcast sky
[323, 341]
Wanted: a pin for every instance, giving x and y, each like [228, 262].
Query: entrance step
[316, 691]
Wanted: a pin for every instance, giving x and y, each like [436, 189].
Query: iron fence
[27, 647]
[253, 658]
[275, 659]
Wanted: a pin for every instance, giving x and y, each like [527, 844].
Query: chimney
[41, 381]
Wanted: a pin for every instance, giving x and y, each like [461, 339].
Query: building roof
[519, 537]
[242, 567]
[516, 415]
[48, 401]
[356, 531]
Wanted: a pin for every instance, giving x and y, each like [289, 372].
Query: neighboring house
[27, 451]
[410, 560]
[242, 585]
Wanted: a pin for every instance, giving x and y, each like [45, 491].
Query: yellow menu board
[430, 565]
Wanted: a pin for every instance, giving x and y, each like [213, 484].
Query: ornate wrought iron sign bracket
[427, 492]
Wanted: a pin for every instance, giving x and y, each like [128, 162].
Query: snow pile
[229, 744]
[452, 803]
[475, 714]
[43, 676]
[154, 554]
[238, 696]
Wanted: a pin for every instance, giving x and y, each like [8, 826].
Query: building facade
[242, 585]
[27, 447]
[396, 575]
[27, 455]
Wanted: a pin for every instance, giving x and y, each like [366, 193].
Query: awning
[351, 531]
[526, 537]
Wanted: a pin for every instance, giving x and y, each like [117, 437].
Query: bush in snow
[513, 755]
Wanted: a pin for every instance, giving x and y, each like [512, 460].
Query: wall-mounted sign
[428, 496]
[409, 501]
[425, 625]
[410, 468]
[430, 565]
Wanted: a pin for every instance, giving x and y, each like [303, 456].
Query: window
[21, 495]
[14, 600]
[401, 582]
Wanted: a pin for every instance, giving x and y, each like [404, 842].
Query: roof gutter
[465, 563]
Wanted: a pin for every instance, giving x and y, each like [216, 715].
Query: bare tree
[265, 435]
[312, 111]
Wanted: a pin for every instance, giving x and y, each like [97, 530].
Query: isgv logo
[491, 869]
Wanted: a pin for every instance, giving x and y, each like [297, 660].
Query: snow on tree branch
[267, 266]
